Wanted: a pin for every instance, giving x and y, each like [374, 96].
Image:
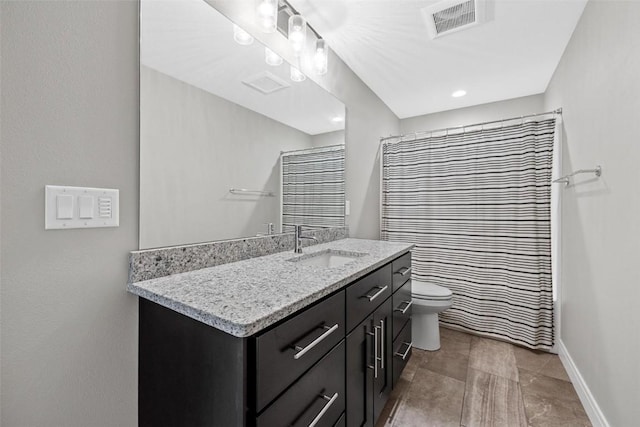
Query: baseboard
[586, 398]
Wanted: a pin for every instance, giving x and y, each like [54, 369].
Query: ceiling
[385, 42]
[192, 42]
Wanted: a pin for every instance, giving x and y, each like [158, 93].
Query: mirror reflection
[230, 145]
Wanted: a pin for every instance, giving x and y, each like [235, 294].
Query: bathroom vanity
[318, 338]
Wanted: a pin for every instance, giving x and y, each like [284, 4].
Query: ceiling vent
[266, 83]
[449, 16]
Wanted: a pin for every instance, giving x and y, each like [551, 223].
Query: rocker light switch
[85, 205]
[64, 207]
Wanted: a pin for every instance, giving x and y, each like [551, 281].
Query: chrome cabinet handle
[377, 294]
[375, 351]
[303, 350]
[324, 409]
[404, 272]
[382, 344]
[406, 353]
[404, 310]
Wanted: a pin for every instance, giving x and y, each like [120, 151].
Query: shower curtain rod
[328, 147]
[415, 134]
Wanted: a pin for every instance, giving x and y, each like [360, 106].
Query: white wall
[597, 86]
[194, 147]
[70, 117]
[477, 114]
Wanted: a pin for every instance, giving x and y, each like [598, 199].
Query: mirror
[228, 143]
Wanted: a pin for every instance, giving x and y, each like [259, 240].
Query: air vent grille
[449, 16]
[455, 16]
[266, 83]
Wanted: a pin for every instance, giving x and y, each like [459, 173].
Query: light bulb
[320, 58]
[296, 75]
[267, 15]
[271, 57]
[241, 36]
[297, 34]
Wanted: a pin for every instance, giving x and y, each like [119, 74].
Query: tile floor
[474, 381]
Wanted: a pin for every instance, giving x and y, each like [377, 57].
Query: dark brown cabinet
[331, 364]
[369, 370]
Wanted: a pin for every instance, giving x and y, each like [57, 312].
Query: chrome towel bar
[567, 178]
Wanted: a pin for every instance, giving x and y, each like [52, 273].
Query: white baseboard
[586, 398]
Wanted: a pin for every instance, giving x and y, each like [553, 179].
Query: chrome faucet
[297, 241]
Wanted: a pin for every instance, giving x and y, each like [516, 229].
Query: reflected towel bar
[245, 192]
[566, 179]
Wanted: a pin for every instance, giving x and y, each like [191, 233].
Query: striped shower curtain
[476, 204]
[313, 188]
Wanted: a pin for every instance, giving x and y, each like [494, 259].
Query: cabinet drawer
[401, 270]
[367, 294]
[318, 395]
[288, 350]
[342, 422]
[401, 308]
[401, 351]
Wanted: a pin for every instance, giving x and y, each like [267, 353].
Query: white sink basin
[327, 258]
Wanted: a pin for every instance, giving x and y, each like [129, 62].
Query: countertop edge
[241, 330]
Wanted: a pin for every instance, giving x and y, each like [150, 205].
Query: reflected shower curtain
[476, 204]
[313, 188]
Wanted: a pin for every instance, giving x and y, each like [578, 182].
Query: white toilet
[428, 301]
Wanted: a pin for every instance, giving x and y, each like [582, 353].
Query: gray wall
[597, 85]
[194, 146]
[328, 138]
[69, 117]
[476, 114]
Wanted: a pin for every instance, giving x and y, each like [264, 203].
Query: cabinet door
[360, 375]
[382, 383]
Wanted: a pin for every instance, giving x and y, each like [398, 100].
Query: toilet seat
[429, 291]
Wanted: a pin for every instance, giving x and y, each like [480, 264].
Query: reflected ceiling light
[296, 75]
[297, 34]
[271, 57]
[267, 15]
[321, 57]
[241, 36]
[337, 119]
[459, 93]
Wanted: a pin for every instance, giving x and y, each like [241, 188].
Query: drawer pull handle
[404, 271]
[303, 350]
[377, 294]
[406, 353]
[406, 307]
[325, 408]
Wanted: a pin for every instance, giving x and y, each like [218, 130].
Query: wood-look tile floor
[473, 381]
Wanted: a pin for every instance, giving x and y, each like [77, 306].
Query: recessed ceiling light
[459, 93]
[337, 119]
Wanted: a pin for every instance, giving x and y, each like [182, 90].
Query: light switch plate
[89, 207]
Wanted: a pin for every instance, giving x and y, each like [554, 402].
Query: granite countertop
[244, 297]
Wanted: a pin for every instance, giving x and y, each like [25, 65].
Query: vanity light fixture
[241, 36]
[297, 34]
[459, 93]
[267, 15]
[296, 75]
[321, 57]
[271, 57]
